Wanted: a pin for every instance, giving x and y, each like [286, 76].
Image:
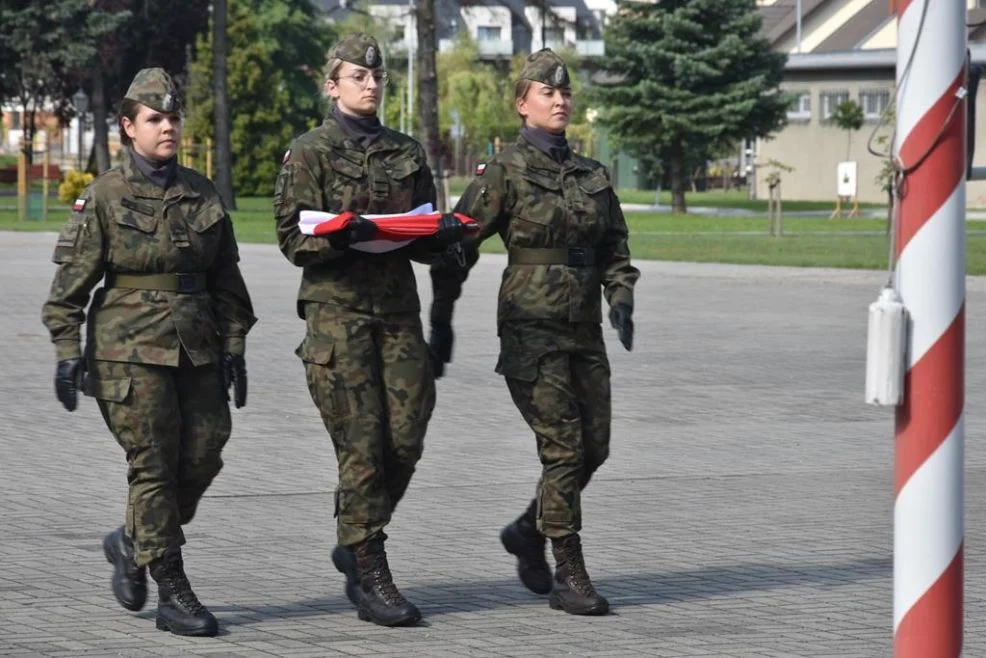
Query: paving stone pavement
[745, 511]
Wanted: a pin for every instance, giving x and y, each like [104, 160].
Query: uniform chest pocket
[206, 219]
[136, 215]
[539, 197]
[347, 168]
[593, 192]
[401, 169]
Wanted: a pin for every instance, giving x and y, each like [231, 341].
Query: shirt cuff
[67, 349]
[622, 296]
[234, 345]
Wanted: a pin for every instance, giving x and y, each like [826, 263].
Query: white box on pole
[886, 350]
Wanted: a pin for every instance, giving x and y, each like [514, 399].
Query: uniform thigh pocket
[327, 387]
[138, 403]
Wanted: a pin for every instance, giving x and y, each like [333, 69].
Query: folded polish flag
[393, 231]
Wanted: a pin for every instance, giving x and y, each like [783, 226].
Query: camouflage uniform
[155, 338]
[366, 361]
[566, 239]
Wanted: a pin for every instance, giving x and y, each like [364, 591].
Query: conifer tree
[689, 78]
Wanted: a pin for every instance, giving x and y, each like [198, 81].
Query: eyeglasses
[362, 78]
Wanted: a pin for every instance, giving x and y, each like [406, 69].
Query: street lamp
[81, 102]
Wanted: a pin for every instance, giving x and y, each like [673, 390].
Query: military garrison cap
[155, 89]
[360, 49]
[546, 67]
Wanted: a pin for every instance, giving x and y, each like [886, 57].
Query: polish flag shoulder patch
[80, 204]
[287, 156]
[481, 169]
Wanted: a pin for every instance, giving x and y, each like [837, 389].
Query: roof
[885, 58]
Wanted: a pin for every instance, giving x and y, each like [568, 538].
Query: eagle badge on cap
[371, 54]
[167, 103]
[559, 75]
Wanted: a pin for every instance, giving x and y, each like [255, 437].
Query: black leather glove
[234, 374]
[440, 344]
[359, 229]
[68, 381]
[621, 317]
[450, 230]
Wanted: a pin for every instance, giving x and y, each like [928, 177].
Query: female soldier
[366, 361]
[565, 236]
[165, 339]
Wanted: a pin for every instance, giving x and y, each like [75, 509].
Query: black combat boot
[129, 580]
[344, 557]
[380, 600]
[178, 609]
[522, 539]
[573, 591]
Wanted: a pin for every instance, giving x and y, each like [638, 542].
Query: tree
[427, 84]
[276, 53]
[220, 109]
[848, 115]
[689, 78]
[154, 33]
[46, 43]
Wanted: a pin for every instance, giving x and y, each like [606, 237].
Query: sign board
[847, 179]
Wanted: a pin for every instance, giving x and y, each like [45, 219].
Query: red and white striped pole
[929, 454]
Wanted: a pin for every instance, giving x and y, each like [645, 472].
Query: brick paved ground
[745, 511]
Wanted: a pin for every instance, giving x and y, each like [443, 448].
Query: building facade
[843, 50]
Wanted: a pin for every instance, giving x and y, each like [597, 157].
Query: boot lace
[578, 577]
[383, 581]
[181, 589]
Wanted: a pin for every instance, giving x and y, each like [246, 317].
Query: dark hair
[128, 108]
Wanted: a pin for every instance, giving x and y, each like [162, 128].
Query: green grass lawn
[710, 199]
[807, 242]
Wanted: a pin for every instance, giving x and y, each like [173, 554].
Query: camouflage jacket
[327, 170]
[533, 201]
[124, 224]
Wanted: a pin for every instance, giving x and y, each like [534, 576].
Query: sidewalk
[745, 511]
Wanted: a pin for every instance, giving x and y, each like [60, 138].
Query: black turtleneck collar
[161, 174]
[363, 129]
[552, 145]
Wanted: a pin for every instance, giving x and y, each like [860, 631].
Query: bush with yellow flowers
[74, 185]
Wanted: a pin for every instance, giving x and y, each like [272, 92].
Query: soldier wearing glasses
[366, 362]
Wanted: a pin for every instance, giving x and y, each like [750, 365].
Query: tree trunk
[677, 166]
[100, 142]
[220, 117]
[428, 94]
[27, 136]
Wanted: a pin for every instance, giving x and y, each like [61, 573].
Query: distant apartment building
[502, 29]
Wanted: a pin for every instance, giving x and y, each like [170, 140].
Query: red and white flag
[393, 231]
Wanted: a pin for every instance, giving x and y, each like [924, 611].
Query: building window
[554, 36]
[800, 108]
[488, 33]
[874, 102]
[15, 120]
[400, 33]
[831, 100]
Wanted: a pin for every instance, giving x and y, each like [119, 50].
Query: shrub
[74, 185]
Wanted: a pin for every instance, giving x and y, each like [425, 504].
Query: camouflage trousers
[173, 424]
[371, 379]
[558, 375]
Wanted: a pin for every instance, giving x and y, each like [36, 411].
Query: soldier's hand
[234, 371]
[359, 229]
[440, 343]
[450, 230]
[621, 317]
[68, 381]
